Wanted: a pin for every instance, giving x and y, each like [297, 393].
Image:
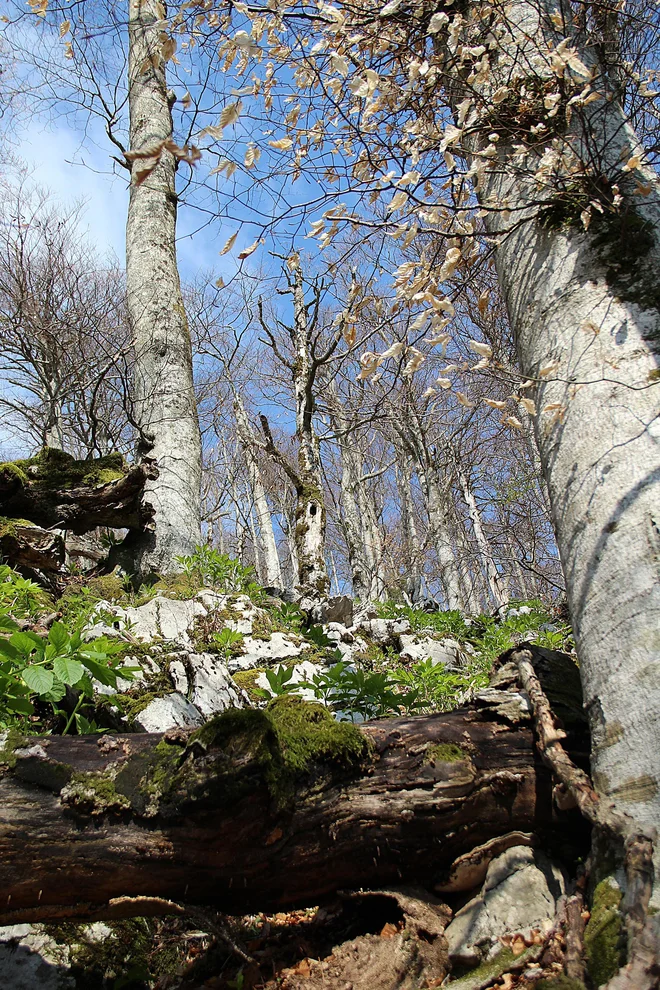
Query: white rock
[213, 689]
[440, 651]
[32, 960]
[520, 893]
[167, 713]
[264, 652]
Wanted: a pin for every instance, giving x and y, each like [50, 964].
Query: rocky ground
[192, 654]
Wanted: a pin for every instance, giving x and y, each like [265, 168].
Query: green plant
[450, 623]
[218, 570]
[436, 688]
[42, 667]
[227, 640]
[279, 682]
[290, 617]
[21, 597]
[355, 692]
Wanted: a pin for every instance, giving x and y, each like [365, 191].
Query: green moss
[10, 741]
[247, 680]
[8, 526]
[277, 746]
[603, 946]
[445, 753]
[231, 756]
[108, 587]
[490, 970]
[94, 793]
[12, 471]
[56, 469]
[100, 961]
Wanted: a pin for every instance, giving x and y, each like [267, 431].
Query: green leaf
[98, 670]
[8, 650]
[56, 693]
[58, 636]
[38, 679]
[20, 705]
[26, 643]
[68, 670]
[8, 623]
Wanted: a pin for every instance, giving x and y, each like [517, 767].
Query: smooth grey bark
[310, 520]
[163, 389]
[409, 536]
[495, 581]
[360, 523]
[272, 571]
[436, 494]
[589, 300]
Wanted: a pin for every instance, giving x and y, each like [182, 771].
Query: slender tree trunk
[267, 543]
[360, 527]
[310, 510]
[164, 397]
[443, 544]
[589, 301]
[495, 580]
[410, 540]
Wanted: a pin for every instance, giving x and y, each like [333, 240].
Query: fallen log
[54, 489]
[26, 545]
[270, 809]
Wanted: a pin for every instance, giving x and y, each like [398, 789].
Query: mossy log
[269, 809]
[25, 545]
[54, 489]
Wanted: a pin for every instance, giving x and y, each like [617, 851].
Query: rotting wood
[405, 814]
[116, 503]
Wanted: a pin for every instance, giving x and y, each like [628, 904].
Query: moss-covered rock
[560, 982]
[247, 680]
[603, 945]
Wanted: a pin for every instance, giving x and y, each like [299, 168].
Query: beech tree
[164, 394]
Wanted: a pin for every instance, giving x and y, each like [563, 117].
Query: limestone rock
[385, 631]
[336, 609]
[439, 651]
[168, 713]
[213, 690]
[264, 652]
[32, 960]
[520, 893]
[171, 619]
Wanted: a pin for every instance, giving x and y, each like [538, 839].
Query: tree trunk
[237, 816]
[409, 538]
[495, 580]
[589, 301]
[164, 398]
[436, 495]
[365, 551]
[310, 508]
[268, 546]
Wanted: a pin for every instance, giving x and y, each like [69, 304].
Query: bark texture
[54, 490]
[588, 300]
[232, 816]
[164, 397]
[272, 571]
